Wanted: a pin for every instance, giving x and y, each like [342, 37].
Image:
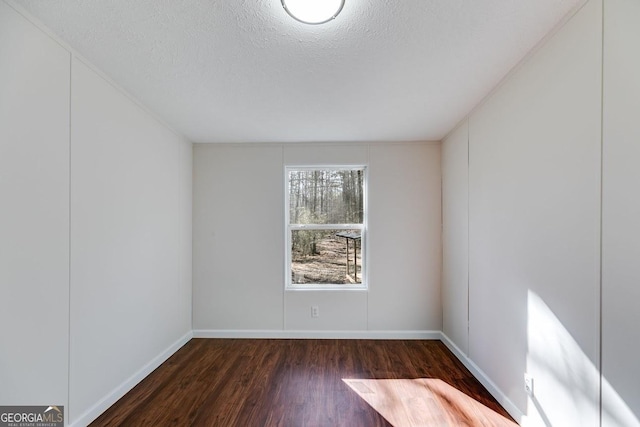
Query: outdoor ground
[329, 266]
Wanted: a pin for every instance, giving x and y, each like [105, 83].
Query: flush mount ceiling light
[313, 11]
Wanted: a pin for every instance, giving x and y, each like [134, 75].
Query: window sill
[297, 288]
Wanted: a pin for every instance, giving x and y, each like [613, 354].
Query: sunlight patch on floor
[424, 402]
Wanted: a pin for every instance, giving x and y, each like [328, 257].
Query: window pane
[322, 257]
[326, 196]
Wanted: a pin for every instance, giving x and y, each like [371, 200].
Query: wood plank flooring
[226, 382]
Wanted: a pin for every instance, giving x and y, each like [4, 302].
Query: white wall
[34, 214]
[455, 237]
[534, 179]
[239, 287]
[238, 236]
[621, 214]
[130, 296]
[534, 213]
[405, 235]
[95, 230]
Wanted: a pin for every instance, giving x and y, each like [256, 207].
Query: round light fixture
[313, 11]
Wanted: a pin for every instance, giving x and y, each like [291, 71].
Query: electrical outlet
[315, 311]
[528, 384]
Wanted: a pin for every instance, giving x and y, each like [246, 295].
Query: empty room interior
[428, 186]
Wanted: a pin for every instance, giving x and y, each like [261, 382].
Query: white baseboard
[491, 387]
[282, 334]
[96, 410]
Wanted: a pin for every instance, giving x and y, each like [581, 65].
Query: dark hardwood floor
[225, 382]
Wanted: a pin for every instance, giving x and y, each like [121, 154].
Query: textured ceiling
[245, 71]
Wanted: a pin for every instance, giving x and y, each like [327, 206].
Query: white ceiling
[245, 71]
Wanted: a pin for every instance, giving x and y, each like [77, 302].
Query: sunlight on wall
[617, 413]
[566, 380]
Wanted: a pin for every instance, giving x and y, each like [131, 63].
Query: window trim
[364, 241]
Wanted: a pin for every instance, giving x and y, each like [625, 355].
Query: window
[325, 226]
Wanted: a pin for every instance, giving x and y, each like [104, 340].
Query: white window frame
[289, 228]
